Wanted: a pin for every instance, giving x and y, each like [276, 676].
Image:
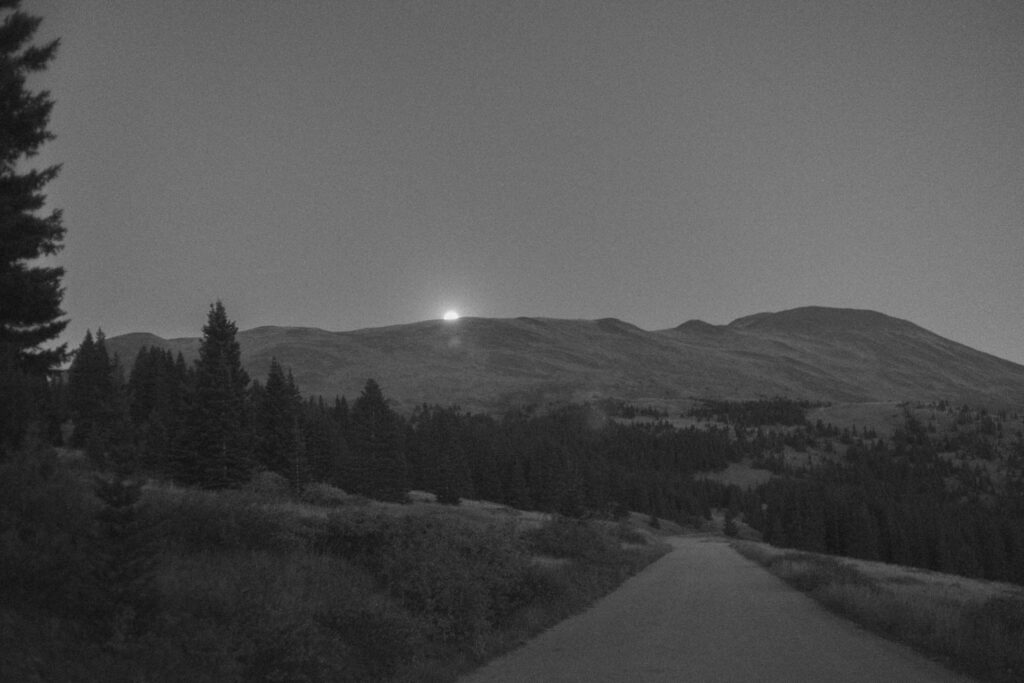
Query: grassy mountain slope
[818, 353]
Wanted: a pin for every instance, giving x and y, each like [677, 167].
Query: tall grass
[979, 633]
[254, 586]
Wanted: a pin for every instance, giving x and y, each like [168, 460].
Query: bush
[45, 531]
[570, 539]
[461, 577]
[378, 640]
[357, 535]
[325, 495]
[268, 484]
[731, 529]
[197, 521]
[628, 534]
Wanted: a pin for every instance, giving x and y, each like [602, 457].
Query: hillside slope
[816, 353]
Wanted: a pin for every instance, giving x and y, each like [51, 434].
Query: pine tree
[326, 450]
[440, 457]
[31, 293]
[379, 467]
[215, 453]
[83, 388]
[278, 438]
[156, 396]
[97, 399]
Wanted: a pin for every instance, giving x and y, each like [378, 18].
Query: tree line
[905, 500]
[208, 425]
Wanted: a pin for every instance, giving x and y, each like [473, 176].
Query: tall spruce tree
[90, 388]
[277, 432]
[326, 450]
[216, 451]
[30, 293]
[378, 462]
[156, 391]
[97, 401]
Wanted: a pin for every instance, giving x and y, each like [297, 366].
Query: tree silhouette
[378, 463]
[278, 437]
[216, 451]
[30, 293]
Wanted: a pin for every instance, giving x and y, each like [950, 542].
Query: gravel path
[704, 613]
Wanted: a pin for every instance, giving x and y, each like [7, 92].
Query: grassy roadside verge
[975, 626]
[254, 586]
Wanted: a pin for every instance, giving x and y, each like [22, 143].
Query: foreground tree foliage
[30, 293]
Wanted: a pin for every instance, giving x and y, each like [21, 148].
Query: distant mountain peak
[818, 318]
[616, 325]
[700, 327]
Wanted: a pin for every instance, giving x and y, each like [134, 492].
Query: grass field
[265, 585]
[975, 626]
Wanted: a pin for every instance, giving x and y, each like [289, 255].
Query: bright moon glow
[451, 315]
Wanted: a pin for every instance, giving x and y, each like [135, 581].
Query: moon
[451, 314]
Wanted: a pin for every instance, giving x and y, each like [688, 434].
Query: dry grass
[269, 584]
[975, 625]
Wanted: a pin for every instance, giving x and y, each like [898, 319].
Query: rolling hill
[829, 354]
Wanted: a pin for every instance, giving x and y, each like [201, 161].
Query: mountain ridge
[817, 353]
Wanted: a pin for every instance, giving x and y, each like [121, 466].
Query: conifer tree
[216, 449]
[325, 447]
[156, 390]
[97, 399]
[30, 314]
[278, 438]
[440, 456]
[379, 467]
[83, 386]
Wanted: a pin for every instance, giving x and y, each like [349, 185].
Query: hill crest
[491, 363]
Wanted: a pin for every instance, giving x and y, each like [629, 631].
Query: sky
[354, 164]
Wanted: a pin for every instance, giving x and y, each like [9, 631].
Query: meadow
[270, 584]
[973, 625]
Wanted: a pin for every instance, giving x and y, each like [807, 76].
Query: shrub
[325, 495]
[628, 534]
[196, 521]
[570, 539]
[461, 577]
[45, 530]
[357, 535]
[731, 529]
[378, 640]
[268, 484]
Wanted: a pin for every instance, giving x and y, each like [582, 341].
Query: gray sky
[356, 164]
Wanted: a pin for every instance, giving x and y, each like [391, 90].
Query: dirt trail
[704, 613]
